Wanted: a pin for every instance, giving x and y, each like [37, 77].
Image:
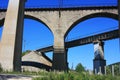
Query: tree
[79, 68]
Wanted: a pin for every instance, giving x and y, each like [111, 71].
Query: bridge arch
[28, 17]
[103, 14]
[37, 19]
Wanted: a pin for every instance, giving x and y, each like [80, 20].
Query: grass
[71, 75]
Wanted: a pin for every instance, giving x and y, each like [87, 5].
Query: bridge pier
[60, 60]
[11, 41]
[99, 63]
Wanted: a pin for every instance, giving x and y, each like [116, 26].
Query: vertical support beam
[11, 42]
[99, 57]
[59, 53]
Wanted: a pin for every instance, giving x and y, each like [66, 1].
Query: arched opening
[104, 14]
[36, 35]
[89, 25]
[36, 31]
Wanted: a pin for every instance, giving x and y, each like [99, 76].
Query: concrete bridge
[85, 40]
[59, 21]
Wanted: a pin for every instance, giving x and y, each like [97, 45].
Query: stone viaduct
[59, 21]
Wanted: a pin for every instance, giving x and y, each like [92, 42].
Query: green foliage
[79, 68]
[71, 75]
[116, 67]
[108, 70]
[116, 70]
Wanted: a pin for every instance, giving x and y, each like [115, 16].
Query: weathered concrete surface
[11, 48]
[35, 57]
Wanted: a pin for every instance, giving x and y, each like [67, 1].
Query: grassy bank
[71, 75]
[75, 76]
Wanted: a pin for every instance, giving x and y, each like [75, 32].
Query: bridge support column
[99, 63]
[60, 59]
[11, 42]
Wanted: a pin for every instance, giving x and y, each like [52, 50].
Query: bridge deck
[90, 39]
[87, 40]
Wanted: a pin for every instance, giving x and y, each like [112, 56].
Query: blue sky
[33, 37]
[64, 3]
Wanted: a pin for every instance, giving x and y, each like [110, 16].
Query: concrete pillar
[59, 54]
[60, 60]
[11, 42]
[99, 57]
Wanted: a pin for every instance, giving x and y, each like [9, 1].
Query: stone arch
[37, 19]
[103, 14]
[29, 17]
